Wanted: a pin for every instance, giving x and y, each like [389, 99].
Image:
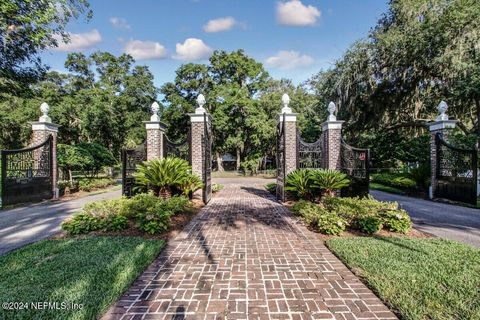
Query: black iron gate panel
[27, 174]
[130, 159]
[177, 150]
[309, 155]
[355, 163]
[281, 179]
[207, 158]
[456, 172]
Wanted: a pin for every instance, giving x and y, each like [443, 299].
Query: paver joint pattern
[244, 257]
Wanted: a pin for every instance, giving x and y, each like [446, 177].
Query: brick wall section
[196, 154]
[290, 147]
[154, 144]
[40, 136]
[433, 156]
[332, 144]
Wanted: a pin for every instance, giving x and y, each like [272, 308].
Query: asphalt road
[440, 219]
[23, 225]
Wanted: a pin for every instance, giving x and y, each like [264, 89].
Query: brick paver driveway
[245, 257]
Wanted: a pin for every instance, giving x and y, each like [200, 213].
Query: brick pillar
[155, 132]
[290, 140]
[41, 130]
[197, 131]
[441, 125]
[332, 139]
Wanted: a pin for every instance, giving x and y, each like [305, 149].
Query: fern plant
[328, 181]
[161, 175]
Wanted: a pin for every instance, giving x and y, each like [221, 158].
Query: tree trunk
[219, 163]
[477, 104]
[165, 193]
[238, 158]
[70, 177]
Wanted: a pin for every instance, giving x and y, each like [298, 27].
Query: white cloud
[289, 60]
[295, 13]
[220, 24]
[79, 41]
[192, 49]
[119, 23]
[144, 50]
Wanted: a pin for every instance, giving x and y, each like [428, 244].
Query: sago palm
[190, 184]
[161, 175]
[329, 180]
[299, 182]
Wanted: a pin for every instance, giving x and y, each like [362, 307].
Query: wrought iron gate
[178, 150]
[355, 163]
[207, 158]
[130, 159]
[281, 179]
[27, 174]
[309, 155]
[456, 172]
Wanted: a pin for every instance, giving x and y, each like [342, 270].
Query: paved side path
[23, 225]
[440, 219]
[244, 257]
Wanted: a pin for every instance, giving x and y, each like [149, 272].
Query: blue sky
[293, 38]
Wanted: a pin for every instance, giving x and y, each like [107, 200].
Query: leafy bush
[369, 224]
[308, 211]
[95, 183]
[421, 175]
[176, 204]
[331, 223]
[271, 187]
[329, 180]
[396, 220]
[139, 204]
[102, 215]
[394, 180]
[162, 175]
[190, 184]
[299, 182]
[217, 187]
[155, 219]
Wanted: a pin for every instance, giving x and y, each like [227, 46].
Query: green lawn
[419, 278]
[381, 187]
[92, 271]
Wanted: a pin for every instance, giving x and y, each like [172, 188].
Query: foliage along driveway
[23, 225]
[440, 219]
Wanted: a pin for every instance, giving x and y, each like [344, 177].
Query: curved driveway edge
[23, 225]
[440, 219]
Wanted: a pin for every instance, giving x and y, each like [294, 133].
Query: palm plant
[329, 180]
[300, 183]
[161, 175]
[190, 184]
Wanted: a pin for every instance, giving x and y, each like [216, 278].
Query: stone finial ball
[155, 107]
[285, 99]
[200, 100]
[331, 107]
[44, 107]
[442, 107]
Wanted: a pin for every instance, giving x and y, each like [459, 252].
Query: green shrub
[271, 187]
[217, 187]
[155, 219]
[162, 175]
[369, 224]
[421, 175]
[175, 204]
[94, 183]
[139, 204]
[299, 182]
[396, 220]
[299, 206]
[328, 181]
[330, 223]
[102, 215]
[394, 180]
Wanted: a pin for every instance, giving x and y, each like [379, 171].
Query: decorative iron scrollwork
[130, 159]
[355, 163]
[178, 150]
[207, 158]
[309, 155]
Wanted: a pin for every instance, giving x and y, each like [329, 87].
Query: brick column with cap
[332, 140]
[42, 129]
[155, 132]
[197, 122]
[441, 125]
